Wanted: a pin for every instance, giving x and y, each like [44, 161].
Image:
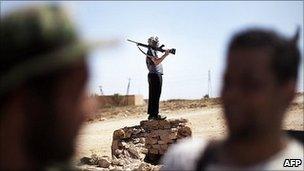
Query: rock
[94, 159]
[104, 163]
[164, 146]
[119, 134]
[156, 168]
[170, 141]
[127, 161]
[181, 124]
[151, 141]
[114, 145]
[153, 134]
[164, 124]
[134, 151]
[136, 131]
[136, 140]
[185, 131]
[90, 168]
[115, 161]
[183, 120]
[121, 162]
[126, 153]
[85, 160]
[117, 168]
[148, 146]
[144, 150]
[142, 140]
[165, 137]
[123, 144]
[153, 151]
[160, 132]
[143, 123]
[161, 142]
[118, 152]
[102, 119]
[128, 133]
[156, 146]
[167, 127]
[144, 167]
[172, 135]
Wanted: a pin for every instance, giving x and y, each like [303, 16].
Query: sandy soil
[206, 122]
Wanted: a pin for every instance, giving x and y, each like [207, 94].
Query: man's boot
[161, 117]
[152, 117]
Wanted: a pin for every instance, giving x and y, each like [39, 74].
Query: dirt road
[206, 122]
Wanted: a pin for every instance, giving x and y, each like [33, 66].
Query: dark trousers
[155, 86]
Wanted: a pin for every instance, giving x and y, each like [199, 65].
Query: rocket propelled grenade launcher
[160, 48]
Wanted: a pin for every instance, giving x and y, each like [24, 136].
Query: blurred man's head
[43, 76]
[259, 82]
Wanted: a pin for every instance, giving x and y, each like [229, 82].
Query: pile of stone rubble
[140, 147]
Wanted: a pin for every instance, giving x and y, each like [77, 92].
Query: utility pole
[100, 88]
[128, 89]
[209, 84]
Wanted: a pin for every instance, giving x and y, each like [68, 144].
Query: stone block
[156, 146]
[153, 151]
[118, 134]
[117, 152]
[164, 146]
[172, 135]
[161, 142]
[114, 145]
[151, 141]
[185, 131]
[163, 123]
[128, 133]
[104, 163]
[134, 151]
[144, 150]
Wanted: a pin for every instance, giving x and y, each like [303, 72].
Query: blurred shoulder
[184, 155]
[294, 149]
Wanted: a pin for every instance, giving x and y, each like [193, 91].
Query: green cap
[35, 41]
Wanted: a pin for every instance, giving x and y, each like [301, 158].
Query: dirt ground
[205, 117]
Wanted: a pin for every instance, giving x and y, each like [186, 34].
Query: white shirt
[185, 155]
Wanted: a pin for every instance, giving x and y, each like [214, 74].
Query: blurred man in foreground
[259, 84]
[42, 82]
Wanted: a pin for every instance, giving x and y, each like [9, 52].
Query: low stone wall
[140, 147]
[149, 140]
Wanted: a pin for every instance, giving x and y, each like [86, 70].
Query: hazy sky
[199, 31]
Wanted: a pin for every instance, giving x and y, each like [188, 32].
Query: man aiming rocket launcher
[154, 65]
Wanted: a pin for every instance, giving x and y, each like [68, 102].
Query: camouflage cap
[37, 40]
